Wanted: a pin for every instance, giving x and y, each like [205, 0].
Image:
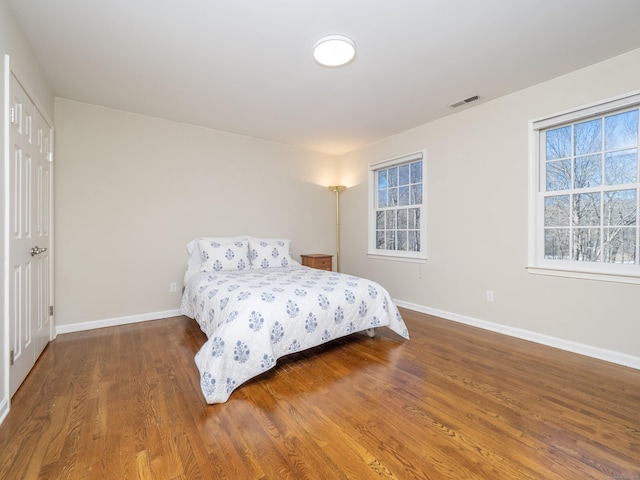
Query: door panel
[40, 222]
[29, 264]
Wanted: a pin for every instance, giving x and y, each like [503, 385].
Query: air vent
[464, 102]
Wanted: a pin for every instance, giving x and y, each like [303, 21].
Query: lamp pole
[337, 189]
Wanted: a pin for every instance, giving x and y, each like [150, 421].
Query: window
[586, 179]
[397, 225]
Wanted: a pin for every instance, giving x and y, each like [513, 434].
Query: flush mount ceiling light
[334, 50]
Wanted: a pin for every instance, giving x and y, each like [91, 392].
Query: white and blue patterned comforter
[254, 317]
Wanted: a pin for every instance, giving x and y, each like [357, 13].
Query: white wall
[131, 191]
[25, 66]
[477, 181]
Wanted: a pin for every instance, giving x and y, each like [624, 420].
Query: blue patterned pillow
[216, 256]
[270, 252]
[193, 248]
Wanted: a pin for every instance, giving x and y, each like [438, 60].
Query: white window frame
[537, 264]
[373, 252]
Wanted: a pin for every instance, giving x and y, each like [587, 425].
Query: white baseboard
[582, 349]
[113, 322]
[4, 409]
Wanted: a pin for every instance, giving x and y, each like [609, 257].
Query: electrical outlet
[173, 287]
[490, 296]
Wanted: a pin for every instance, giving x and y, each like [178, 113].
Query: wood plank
[452, 402]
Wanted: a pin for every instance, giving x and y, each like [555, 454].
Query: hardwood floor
[453, 402]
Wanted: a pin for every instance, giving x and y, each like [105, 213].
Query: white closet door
[29, 239]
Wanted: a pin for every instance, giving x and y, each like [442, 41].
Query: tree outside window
[397, 208]
[588, 191]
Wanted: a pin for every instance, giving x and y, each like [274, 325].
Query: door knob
[38, 250]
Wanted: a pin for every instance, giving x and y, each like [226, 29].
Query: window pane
[621, 167]
[620, 208]
[391, 219]
[416, 194]
[558, 175]
[586, 245]
[558, 143]
[416, 212]
[556, 211]
[416, 172]
[556, 243]
[621, 130]
[588, 171]
[591, 191]
[586, 209]
[619, 245]
[397, 187]
[402, 241]
[393, 176]
[402, 219]
[414, 241]
[382, 179]
[392, 198]
[404, 195]
[404, 173]
[588, 137]
[390, 240]
[382, 198]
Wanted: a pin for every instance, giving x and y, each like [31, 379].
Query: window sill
[398, 258]
[603, 277]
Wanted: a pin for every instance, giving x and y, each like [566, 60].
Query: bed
[256, 304]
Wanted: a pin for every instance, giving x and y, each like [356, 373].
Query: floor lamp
[337, 189]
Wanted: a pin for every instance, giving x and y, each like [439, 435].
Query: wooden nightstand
[320, 261]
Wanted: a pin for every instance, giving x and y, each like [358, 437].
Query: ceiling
[246, 66]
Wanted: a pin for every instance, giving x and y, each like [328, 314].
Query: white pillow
[216, 256]
[194, 252]
[270, 252]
